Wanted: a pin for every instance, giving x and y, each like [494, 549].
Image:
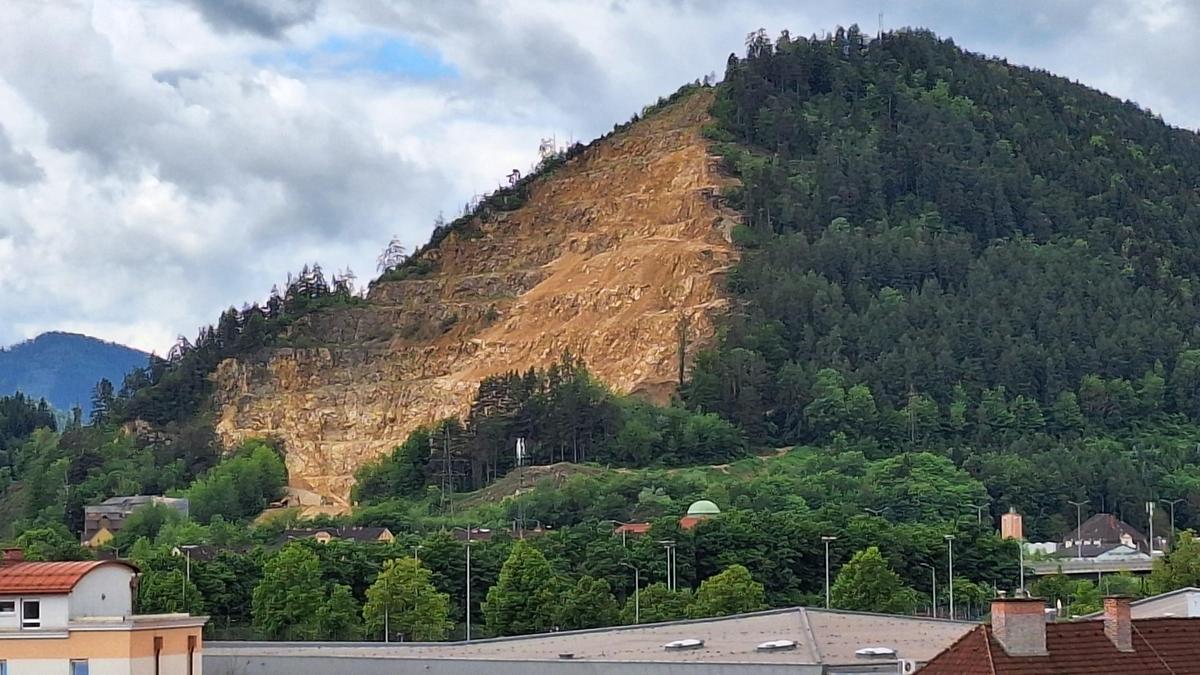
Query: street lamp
[416, 548]
[1078, 528]
[187, 576]
[1150, 517]
[669, 544]
[978, 512]
[933, 571]
[1171, 503]
[827, 539]
[1021, 562]
[950, 551]
[469, 542]
[637, 584]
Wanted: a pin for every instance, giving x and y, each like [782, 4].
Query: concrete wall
[104, 591]
[250, 664]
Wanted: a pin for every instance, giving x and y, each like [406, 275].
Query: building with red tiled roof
[1020, 642]
[35, 578]
[77, 617]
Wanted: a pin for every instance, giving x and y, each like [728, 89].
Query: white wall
[103, 592]
[54, 612]
[62, 666]
[11, 621]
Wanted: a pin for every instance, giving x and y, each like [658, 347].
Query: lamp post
[415, 549]
[1078, 528]
[669, 544]
[933, 571]
[950, 551]
[468, 585]
[827, 539]
[1021, 562]
[1171, 504]
[1150, 518]
[978, 512]
[187, 575]
[637, 588]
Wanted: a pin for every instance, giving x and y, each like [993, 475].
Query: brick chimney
[1118, 622]
[12, 555]
[1020, 625]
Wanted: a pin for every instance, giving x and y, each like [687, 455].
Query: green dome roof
[703, 508]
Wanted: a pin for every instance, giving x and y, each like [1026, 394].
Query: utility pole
[827, 539]
[1078, 528]
[1171, 503]
[950, 550]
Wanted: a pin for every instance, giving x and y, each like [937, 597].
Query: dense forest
[965, 286]
[947, 252]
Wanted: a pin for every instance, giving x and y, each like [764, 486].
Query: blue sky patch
[381, 54]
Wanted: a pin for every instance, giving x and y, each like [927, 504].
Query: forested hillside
[944, 251]
[63, 368]
[963, 285]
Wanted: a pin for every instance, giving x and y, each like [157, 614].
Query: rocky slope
[614, 255]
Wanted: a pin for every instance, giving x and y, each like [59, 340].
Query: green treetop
[868, 584]
[1180, 568]
[587, 604]
[523, 600]
[291, 592]
[404, 601]
[732, 591]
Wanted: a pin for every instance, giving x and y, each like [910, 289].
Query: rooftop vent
[776, 646]
[682, 645]
[875, 652]
[566, 656]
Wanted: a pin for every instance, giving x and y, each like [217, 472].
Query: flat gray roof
[827, 637]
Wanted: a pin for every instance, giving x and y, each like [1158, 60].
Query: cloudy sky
[163, 159]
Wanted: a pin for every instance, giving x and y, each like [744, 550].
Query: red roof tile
[633, 528]
[48, 577]
[1166, 646]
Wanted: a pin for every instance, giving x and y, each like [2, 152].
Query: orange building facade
[76, 618]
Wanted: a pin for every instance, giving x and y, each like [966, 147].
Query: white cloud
[161, 160]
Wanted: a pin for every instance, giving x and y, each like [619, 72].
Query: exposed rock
[611, 253]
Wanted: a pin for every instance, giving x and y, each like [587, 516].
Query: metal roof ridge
[806, 626]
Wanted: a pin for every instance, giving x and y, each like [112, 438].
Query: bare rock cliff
[613, 255]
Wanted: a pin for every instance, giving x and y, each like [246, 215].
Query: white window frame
[3, 667]
[87, 667]
[31, 624]
[8, 612]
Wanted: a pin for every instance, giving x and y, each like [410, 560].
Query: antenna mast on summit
[880, 34]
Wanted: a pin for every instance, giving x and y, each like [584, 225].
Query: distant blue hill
[63, 368]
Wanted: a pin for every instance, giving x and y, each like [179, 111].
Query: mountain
[63, 368]
[880, 246]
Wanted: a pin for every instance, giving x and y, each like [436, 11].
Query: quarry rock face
[617, 257]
